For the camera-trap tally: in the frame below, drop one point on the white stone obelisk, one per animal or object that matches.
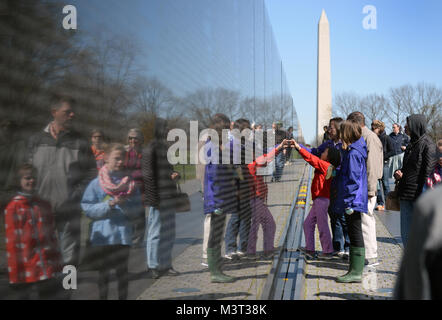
(324, 94)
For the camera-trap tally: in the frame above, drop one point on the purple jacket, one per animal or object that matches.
(219, 186)
(352, 181)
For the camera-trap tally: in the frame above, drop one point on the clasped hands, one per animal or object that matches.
(288, 143)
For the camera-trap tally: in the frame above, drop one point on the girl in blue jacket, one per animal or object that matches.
(352, 195)
(111, 200)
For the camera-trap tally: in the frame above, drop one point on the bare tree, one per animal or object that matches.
(429, 103)
(152, 97)
(202, 104)
(423, 99)
(346, 103)
(228, 101)
(401, 104)
(374, 107)
(35, 53)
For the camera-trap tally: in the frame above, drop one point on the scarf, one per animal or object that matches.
(125, 187)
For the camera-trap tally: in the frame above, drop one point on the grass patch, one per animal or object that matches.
(187, 171)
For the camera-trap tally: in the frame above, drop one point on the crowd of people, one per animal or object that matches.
(117, 186)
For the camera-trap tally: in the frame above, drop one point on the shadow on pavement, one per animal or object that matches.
(351, 296)
(211, 296)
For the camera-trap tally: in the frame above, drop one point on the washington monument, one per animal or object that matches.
(323, 95)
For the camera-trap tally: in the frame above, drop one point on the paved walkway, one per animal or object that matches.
(378, 282)
(194, 280)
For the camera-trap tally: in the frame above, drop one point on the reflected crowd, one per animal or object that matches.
(127, 194)
(85, 181)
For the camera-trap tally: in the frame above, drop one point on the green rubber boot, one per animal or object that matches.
(357, 261)
(214, 262)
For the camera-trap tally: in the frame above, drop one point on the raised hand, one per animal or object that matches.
(294, 144)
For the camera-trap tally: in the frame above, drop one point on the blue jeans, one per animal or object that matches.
(383, 186)
(160, 238)
(238, 223)
(279, 166)
(406, 215)
(341, 241)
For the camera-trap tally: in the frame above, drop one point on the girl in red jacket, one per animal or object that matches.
(32, 248)
(324, 166)
(260, 213)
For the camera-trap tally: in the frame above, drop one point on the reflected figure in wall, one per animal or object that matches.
(159, 200)
(65, 165)
(132, 163)
(280, 135)
(97, 147)
(219, 199)
(239, 222)
(112, 200)
(34, 259)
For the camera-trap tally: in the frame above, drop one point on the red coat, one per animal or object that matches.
(31, 241)
(259, 187)
(320, 184)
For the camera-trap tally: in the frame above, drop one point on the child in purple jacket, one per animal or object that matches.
(353, 195)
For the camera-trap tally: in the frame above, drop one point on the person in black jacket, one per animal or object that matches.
(378, 127)
(159, 193)
(280, 135)
(240, 220)
(419, 161)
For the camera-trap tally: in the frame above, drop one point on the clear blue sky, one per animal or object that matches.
(405, 48)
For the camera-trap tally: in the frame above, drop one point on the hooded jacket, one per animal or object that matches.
(419, 159)
(352, 180)
(220, 190)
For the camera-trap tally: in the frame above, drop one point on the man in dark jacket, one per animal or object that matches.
(400, 142)
(419, 161)
(280, 135)
(65, 165)
(378, 127)
(159, 201)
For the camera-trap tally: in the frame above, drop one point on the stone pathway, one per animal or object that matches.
(194, 281)
(378, 282)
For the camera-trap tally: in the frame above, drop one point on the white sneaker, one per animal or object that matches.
(204, 262)
(240, 254)
(340, 254)
(371, 262)
(230, 256)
